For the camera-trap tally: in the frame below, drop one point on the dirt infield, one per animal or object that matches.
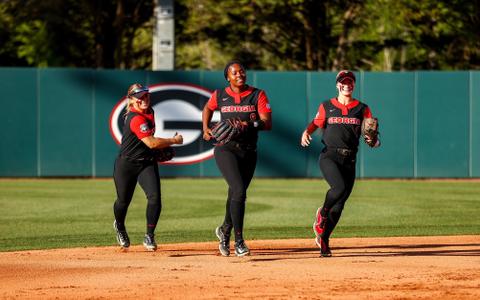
(373, 268)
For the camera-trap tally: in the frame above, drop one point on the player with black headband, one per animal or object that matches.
(236, 157)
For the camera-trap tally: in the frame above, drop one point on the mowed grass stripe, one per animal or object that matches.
(59, 213)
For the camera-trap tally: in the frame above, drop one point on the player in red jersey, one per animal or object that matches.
(340, 118)
(137, 162)
(237, 159)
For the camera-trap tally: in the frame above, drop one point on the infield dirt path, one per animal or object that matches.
(366, 268)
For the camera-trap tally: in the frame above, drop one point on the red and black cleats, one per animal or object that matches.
(324, 247)
(319, 223)
(319, 229)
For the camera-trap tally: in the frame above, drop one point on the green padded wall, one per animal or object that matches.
(57, 121)
(65, 122)
(391, 98)
(474, 125)
(18, 153)
(442, 119)
(279, 150)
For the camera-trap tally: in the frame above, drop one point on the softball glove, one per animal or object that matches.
(370, 131)
(226, 130)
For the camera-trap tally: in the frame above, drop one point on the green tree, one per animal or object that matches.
(271, 34)
(408, 35)
(329, 35)
(265, 34)
(86, 33)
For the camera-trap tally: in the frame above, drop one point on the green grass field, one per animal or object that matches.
(60, 213)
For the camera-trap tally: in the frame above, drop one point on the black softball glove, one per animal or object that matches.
(226, 130)
(164, 154)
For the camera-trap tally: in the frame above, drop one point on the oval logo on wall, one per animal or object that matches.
(178, 108)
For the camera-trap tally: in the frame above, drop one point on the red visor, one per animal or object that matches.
(345, 74)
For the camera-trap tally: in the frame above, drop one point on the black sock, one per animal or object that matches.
(120, 212)
(153, 214)
(227, 222)
(237, 210)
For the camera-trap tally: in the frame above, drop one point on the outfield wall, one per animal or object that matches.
(56, 121)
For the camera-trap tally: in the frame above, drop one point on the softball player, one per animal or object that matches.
(340, 119)
(237, 159)
(136, 162)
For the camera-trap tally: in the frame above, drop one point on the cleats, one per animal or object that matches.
(224, 245)
(324, 247)
(319, 223)
(122, 236)
(318, 229)
(124, 241)
(241, 249)
(149, 242)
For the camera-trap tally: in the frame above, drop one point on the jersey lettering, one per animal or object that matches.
(344, 120)
(238, 108)
(246, 106)
(341, 124)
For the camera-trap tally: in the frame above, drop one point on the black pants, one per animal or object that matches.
(237, 166)
(126, 173)
(339, 172)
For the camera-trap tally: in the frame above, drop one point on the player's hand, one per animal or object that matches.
(368, 140)
(306, 139)
(207, 134)
(178, 138)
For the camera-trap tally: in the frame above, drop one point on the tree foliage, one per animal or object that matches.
(265, 34)
(331, 34)
(76, 33)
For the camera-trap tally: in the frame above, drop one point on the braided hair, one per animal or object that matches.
(229, 64)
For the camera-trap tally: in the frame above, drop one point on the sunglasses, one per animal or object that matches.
(139, 93)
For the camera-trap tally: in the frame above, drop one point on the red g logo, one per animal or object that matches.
(178, 108)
